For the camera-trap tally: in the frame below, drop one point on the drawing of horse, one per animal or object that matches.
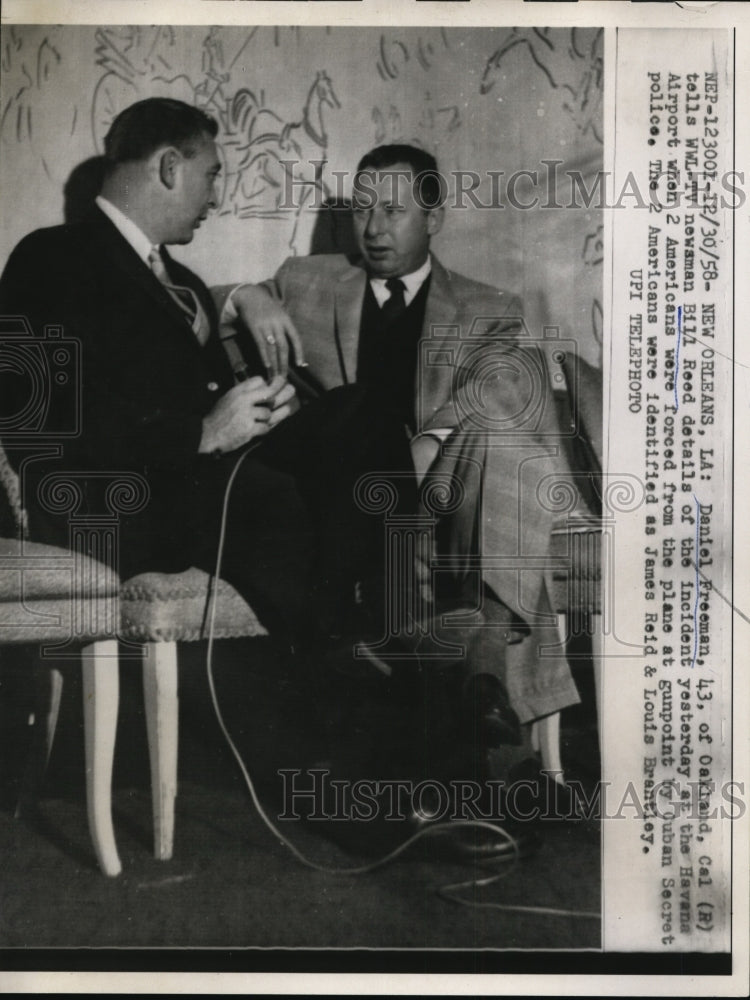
(262, 166)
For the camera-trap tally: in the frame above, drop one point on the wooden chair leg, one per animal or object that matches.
(48, 685)
(545, 733)
(160, 694)
(545, 738)
(597, 643)
(101, 692)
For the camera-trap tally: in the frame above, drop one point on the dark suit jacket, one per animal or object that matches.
(146, 381)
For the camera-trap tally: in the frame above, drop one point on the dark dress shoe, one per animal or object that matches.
(538, 793)
(488, 719)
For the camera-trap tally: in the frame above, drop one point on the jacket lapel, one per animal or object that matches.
(440, 311)
(348, 298)
(441, 306)
(130, 266)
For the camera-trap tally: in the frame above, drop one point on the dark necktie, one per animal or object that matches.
(185, 298)
(395, 305)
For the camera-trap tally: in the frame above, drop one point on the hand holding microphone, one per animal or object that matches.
(282, 397)
(248, 410)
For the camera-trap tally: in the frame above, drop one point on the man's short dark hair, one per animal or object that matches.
(430, 190)
(158, 121)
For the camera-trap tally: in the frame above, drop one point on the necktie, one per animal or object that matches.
(395, 305)
(185, 298)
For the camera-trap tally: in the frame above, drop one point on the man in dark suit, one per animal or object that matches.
(159, 396)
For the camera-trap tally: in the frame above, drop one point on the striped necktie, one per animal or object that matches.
(184, 297)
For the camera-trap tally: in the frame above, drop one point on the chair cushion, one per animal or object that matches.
(58, 620)
(32, 571)
(46, 596)
(174, 607)
(12, 516)
(38, 596)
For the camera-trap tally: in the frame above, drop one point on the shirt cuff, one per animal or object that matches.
(229, 310)
(441, 434)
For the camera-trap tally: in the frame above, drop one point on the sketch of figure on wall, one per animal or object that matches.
(142, 62)
(397, 48)
(268, 159)
(137, 60)
(29, 69)
(265, 156)
(434, 126)
(577, 69)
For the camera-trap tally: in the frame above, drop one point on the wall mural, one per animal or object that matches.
(260, 148)
(572, 65)
(435, 124)
(294, 103)
(395, 52)
(29, 69)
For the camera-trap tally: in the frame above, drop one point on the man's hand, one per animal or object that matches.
(271, 327)
(284, 400)
(248, 410)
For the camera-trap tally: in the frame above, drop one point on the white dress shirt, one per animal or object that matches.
(143, 247)
(127, 229)
(412, 283)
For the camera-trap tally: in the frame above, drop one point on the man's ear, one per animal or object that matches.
(168, 161)
(435, 217)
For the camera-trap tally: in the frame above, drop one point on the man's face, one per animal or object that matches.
(194, 192)
(393, 232)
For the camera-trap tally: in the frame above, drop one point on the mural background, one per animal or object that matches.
(499, 99)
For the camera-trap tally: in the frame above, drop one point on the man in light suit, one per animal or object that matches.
(447, 356)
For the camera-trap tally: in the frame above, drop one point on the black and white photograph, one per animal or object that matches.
(367, 495)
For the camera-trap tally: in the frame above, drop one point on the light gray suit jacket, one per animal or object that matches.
(480, 374)
(324, 295)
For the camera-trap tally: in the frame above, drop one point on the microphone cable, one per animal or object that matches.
(428, 830)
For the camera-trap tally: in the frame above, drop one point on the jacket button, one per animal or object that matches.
(213, 386)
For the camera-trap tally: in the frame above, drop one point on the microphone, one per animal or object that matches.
(228, 338)
(305, 383)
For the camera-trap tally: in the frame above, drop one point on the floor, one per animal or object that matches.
(232, 884)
